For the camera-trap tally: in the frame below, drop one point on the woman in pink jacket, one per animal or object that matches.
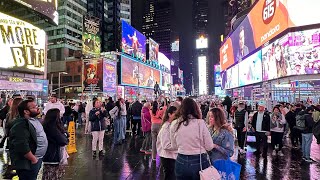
(146, 128)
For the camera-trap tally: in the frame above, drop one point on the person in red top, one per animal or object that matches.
(157, 113)
(146, 128)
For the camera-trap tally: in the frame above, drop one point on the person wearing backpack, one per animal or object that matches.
(300, 119)
(307, 135)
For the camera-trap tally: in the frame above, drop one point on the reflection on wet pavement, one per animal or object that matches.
(126, 162)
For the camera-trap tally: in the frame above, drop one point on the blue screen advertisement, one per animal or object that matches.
(133, 42)
(250, 70)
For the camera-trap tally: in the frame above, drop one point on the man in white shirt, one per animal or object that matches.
(261, 127)
(54, 104)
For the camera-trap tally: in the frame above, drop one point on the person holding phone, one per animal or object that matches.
(277, 130)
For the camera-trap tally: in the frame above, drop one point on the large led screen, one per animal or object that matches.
(133, 42)
(230, 77)
(217, 75)
(250, 70)
(153, 50)
(303, 52)
(91, 41)
(134, 73)
(22, 46)
(109, 77)
(46, 7)
(93, 75)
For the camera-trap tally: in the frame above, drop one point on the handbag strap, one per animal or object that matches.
(204, 148)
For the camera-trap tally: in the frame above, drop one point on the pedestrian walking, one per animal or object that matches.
(115, 114)
(57, 140)
(277, 131)
(191, 138)
(146, 128)
(241, 121)
(167, 154)
(135, 112)
(222, 135)
(123, 119)
(28, 141)
(98, 126)
(157, 113)
(307, 135)
(53, 104)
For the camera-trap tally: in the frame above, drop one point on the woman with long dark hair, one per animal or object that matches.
(156, 119)
(167, 155)
(222, 135)
(115, 114)
(190, 136)
(277, 130)
(280, 61)
(57, 138)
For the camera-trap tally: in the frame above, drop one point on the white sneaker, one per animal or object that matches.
(281, 153)
(274, 153)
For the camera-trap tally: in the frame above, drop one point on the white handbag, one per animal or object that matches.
(209, 173)
(63, 156)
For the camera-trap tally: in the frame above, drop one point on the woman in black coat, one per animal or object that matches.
(57, 139)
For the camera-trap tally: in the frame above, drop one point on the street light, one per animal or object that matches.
(59, 81)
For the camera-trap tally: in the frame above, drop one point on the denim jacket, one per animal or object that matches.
(224, 139)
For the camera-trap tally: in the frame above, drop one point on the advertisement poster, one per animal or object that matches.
(217, 75)
(250, 70)
(153, 50)
(230, 78)
(22, 84)
(47, 8)
(165, 81)
(133, 42)
(93, 76)
(91, 41)
(19, 53)
(134, 73)
(304, 49)
(109, 77)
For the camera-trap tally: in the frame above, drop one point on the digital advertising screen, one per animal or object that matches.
(109, 76)
(230, 78)
(217, 75)
(48, 8)
(250, 70)
(133, 42)
(303, 50)
(91, 41)
(93, 75)
(133, 71)
(202, 69)
(22, 46)
(302, 13)
(165, 81)
(153, 50)
(165, 63)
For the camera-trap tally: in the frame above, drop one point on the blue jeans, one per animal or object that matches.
(306, 144)
(123, 127)
(188, 166)
(30, 174)
(116, 128)
(80, 118)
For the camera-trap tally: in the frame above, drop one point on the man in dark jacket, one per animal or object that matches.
(261, 127)
(307, 135)
(135, 111)
(23, 142)
(109, 106)
(291, 120)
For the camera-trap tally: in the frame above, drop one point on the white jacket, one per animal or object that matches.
(164, 147)
(57, 105)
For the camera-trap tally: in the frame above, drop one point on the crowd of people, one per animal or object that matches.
(188, 135)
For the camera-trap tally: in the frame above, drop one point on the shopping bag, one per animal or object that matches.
(228, 169)
(63, 156)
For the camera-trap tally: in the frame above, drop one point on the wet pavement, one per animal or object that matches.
(126, 162)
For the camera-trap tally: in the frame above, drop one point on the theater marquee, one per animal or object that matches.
(22, 46)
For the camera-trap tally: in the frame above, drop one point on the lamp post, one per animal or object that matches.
(59, 81)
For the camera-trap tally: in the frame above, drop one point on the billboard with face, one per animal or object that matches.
(134, 73)
(91, 41)
(93, 75)
(153, 50)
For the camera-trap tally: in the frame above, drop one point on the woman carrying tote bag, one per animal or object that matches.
(185, 137)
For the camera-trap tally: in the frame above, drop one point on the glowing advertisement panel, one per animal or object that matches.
(250, 70)
(109, 76)
(22, 46)
(230, 78)
(93, 75)
(202, 43)
(217, 75)
(91, 41)
(153, 50)
(134, 73)
(202, 69)
(133, 42)
(48, 8)
(302, 13)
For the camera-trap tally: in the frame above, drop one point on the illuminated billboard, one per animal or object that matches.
(175, 46)
(22, 46)
(109, 77)
(134, 73)
(250, 70)
(230, 78)
(217, 75)
(153, 50)
(202, 43)
(133, 42)
(48, 8)
(202, 69)
(93, 75)
(91, 41)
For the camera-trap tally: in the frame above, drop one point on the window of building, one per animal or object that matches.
(66, 79)
(77, 78)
